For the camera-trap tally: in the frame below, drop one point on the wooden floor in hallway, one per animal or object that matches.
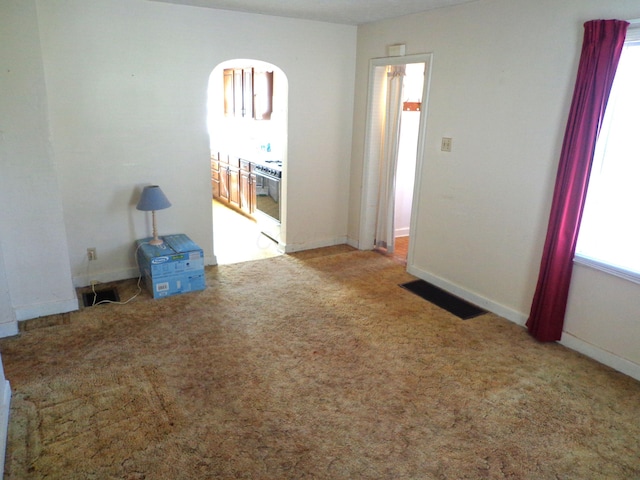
(401, 249)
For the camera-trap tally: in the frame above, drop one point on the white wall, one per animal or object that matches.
(35, 278)
(127, 85)
(5, 410)
(8, 322)
(603, 319)
(502, 79)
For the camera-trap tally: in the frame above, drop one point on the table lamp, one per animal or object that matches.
(153, 199)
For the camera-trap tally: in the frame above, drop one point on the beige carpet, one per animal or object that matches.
(309, 366)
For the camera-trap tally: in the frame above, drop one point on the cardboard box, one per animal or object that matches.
(176, 266)
(169, 285)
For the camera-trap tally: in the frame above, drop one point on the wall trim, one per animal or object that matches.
(480, 301)
(4, 421)
(290, 247)
(352, 242)
(606, 358)
(8, 329)
(5, 406)
(44, 309)
(84, 280)
(569, 341)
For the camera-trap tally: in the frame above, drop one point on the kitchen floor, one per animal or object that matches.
(237, 238)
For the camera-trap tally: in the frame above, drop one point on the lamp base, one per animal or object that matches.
(155, 241)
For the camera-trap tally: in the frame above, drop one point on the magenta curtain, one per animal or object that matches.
(601, 49)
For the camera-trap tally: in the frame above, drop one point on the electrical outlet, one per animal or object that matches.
(92, 254)
(445, 146)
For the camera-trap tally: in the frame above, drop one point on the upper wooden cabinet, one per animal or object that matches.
(248, 93)
(229, 98)
(262, 94)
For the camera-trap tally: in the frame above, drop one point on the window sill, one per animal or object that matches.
(609, 269)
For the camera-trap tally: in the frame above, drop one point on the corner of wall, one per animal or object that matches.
(9, 329)
(5, 404)
(44, 309)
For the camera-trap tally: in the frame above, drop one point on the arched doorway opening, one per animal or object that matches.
(247, 110)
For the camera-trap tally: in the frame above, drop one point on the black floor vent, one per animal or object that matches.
(443, 299)
(90, 299)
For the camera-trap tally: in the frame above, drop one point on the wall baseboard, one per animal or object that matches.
(606, 358)
(602, 356)
(352, 242)
(8, 329)
(44, 309)
(85, 280)
(105, 277)
(290, 248)
(5, 404)
(480, 301)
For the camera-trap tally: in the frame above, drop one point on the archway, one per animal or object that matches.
(247, 110)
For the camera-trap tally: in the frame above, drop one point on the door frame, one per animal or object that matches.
(369, 197)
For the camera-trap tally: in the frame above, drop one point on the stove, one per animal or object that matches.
(269, 168)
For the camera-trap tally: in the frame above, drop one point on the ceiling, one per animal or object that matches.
(350, 12)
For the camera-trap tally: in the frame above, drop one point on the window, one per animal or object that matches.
(609, 236)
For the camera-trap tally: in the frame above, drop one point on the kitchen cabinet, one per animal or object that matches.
(229, 179)
(247, 187)
(248, 93)
(229, 98)
(233, 182)
(262, 95)
(238, 92)
(223, 177)
(215, 175)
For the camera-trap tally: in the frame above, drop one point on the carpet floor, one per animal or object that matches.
(309, 366)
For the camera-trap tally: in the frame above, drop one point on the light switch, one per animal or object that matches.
(445, 146)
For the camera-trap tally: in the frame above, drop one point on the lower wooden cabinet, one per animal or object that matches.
(247, 191)
(233, 182)
(215, 177)
(221, 191)
(234, 186)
